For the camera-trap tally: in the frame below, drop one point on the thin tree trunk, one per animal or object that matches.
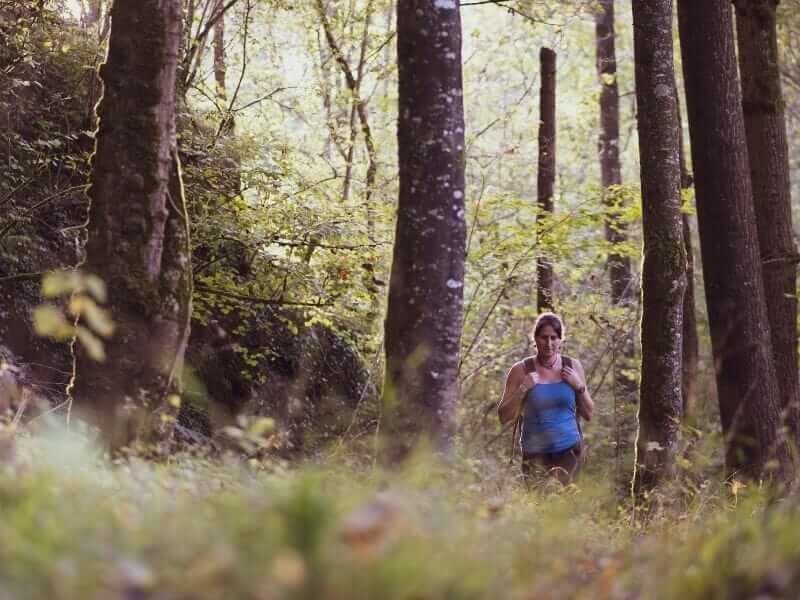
(423, 322)
(765, 124)
(139, 246)
(91, 15)
(737, 313)
(221, 74)
(691, 341)
(664, 266)
(547, 169)
(353, 84)
(619, 267)
(220, 64)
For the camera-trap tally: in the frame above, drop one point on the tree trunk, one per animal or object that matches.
(691, 341)
(737, 313)
(138, 228)
(664, 266)
(91, 15)
(220, 64)
(423, 322)
(619, 267)
(220, 77)
(547, 170)
(765, 124)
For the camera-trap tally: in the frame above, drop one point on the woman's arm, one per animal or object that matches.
(585, 402)
(577, 379)
(517, 385)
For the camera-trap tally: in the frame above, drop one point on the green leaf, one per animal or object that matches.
(93, 345)
(49, 321)
(59, 283)
(97, 318)
(96, 287)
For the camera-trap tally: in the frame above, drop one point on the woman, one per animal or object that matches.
(549, 392)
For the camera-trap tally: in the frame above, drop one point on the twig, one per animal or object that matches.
(257, 299)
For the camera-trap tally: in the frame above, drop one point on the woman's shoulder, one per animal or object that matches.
(523, 366)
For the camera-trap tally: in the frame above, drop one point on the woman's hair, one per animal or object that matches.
(548, 318)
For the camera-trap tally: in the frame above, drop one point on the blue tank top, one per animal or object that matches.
(548, 421)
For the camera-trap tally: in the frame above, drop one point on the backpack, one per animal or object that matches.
(530, 367)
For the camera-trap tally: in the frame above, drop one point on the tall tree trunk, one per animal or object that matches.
(138, 227)
(547, 170)
(228, 124)
(619, 267)
(664, 266)
(220, 64)
(737, 312)
(90, 15)
(423, 323)
(691, 341)
(765, 124)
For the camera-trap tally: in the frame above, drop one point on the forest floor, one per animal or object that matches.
(76, 526)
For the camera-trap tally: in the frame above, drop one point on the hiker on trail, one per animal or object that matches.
(547, 394)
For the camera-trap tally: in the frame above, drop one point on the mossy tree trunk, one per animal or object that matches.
(737, 313)
(664, 266)
(424, 318)
(546, 176)
(765, 124)
(138, 229)
(691, 341)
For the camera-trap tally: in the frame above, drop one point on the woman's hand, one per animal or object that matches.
(573, 378)
(576, 377)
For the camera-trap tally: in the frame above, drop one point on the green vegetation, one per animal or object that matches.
(75, 526)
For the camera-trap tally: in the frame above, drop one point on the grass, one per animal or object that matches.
(74, 526)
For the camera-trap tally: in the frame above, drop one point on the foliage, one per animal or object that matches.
(83, 295)
(462, 529)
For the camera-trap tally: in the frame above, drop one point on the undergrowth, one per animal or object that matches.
(75, 525)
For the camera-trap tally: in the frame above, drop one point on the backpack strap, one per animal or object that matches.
(530, 364)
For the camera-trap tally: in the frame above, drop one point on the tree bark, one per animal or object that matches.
(138, 227)
(765, 125)
(220, 64)
(619, 267)
(664, 266)
(547, 170)
(691, 341)
(424, 318)
(737, 313)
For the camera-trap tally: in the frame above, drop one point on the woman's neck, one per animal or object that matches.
(548, 364)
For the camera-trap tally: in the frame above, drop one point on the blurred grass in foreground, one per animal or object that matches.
(74, 526)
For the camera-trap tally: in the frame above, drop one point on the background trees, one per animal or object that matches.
(765, 127)
(294, 209)
(740, 333)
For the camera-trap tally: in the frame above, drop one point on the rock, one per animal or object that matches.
(309, 379)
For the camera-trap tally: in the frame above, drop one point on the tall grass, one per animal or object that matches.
(73, 525)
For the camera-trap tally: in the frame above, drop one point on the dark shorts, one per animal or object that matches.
(564, 466)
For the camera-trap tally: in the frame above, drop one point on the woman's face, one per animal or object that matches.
(547, 342)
